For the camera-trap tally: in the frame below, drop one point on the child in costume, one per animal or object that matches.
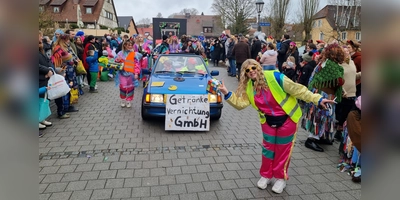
(274, 96)
(126, 76)
(142, 47)
(93, 69)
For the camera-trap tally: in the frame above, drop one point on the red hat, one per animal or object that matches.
(320, 41)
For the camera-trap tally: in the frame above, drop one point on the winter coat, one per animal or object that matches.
(93, 62)
(255, 48)
(269, 57)
(283, 50)
(306, 72)
(241, 51)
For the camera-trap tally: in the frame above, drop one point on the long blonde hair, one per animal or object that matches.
(259, 83)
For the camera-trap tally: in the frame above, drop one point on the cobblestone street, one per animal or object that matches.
(108, 152)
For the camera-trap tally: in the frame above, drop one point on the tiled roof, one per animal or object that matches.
(57, 2)
(89, 2)
(69, 11)
(43, 2)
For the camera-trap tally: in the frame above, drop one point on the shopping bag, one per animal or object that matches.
(227, 63)
(80, 69)
(44, 108)
(74, 96)
(58, 87)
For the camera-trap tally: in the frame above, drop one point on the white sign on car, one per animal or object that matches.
(187, 112)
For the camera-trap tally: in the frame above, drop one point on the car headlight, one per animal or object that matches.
(154, 98)
(214, 98)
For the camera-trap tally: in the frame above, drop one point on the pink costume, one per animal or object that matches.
(126, 85)
(277, 142)
(144, 49)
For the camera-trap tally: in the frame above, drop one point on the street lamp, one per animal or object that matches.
(259, 6)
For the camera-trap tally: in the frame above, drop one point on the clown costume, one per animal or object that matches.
(273, 95)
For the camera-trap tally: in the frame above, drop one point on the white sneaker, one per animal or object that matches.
(85, 84)
(41, 126)
(128, 104)
(123, 103)
(279, 185)
(263, 183)
(95, 87)
(46, 123)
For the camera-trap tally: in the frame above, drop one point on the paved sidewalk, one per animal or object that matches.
(108, 152)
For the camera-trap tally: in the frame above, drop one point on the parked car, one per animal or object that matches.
(177, 74)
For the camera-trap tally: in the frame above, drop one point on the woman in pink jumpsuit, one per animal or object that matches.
(142, 47)
(274, 96)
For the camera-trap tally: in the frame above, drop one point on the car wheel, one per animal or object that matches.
(216, 117)
(144, 116)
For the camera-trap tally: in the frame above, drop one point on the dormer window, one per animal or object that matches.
(56, 9)
(89, 10)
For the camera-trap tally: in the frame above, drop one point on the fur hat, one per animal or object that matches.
(105, 53)
(308, 56)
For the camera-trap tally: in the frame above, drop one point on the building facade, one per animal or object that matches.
(339, 23)
(209, 25)
(83, 13)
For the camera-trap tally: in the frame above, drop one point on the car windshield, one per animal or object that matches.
(180, 64)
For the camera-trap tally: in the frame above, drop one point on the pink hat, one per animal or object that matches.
(293, 43)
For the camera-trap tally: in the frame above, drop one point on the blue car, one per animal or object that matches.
(177, 74)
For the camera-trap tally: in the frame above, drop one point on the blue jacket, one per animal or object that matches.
(93, 62)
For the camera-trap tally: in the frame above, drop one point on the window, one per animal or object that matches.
(313, 24)
(358, 36)
(344, 35)
(321, 36)
(109, 15)
(56, 9)
(41, 8)
(89, 10)
(207, 30)
(356, 22)
(319, 23)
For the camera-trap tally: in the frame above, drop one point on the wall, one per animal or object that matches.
(132, 29)
(329, 33)
(105, 21)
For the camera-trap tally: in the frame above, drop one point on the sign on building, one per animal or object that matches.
(187, 112)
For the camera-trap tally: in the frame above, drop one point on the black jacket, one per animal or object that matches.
(230, 51)
(255, 48)
(282, 52)
(44, 68)
(306, 72)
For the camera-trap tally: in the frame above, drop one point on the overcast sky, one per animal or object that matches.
(140, 9)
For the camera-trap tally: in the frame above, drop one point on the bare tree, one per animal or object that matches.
(191, 11)
(347, 17)
(308, 9)
(278, 13)
(159, 15)
(235, 13)
(144, 21)
(46, 23)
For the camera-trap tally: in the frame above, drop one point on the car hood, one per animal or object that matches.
(190, 85)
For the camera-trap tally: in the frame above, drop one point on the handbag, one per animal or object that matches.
(44, 108)
(80, 69)
(58, 87)
(74, 96)
(227, 63)
(276, 121)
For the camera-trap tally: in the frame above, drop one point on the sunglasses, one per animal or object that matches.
(252, 68)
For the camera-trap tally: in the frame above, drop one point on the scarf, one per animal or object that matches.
(329, 76)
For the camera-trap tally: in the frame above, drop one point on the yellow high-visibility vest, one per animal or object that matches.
(286, 101)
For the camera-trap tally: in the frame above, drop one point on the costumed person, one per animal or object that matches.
(273, 95)
(143, 48)
(355, 52)
(327, 80)
(93, 63)
(128, 74)
(56, 35)
(174, 47)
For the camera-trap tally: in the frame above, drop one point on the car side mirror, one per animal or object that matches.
(146, 71)
(214, 73)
